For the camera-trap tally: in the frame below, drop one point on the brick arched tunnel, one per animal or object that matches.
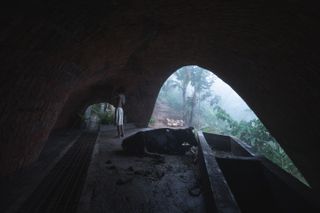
(57, 58)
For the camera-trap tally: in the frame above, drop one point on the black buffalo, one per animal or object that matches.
(162, 141)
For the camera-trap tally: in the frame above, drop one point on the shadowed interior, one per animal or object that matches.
(59, 57)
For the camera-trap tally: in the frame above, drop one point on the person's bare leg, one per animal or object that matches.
(118, 130)
(121, 129)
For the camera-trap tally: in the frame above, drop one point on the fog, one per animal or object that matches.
(231, 102)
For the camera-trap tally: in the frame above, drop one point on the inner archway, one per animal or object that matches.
(98, 114)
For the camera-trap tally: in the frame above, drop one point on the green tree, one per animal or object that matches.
(255, 134)
(201, 83)
(181, 80)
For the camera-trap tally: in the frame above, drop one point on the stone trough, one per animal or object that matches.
(237, 180)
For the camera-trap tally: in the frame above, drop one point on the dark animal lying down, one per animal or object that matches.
(162, 141)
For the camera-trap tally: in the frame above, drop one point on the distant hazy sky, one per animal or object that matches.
(231, 102)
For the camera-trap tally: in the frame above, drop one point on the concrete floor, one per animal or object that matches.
(116, 182)
(120, 183)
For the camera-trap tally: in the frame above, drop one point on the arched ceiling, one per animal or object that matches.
(57, 57)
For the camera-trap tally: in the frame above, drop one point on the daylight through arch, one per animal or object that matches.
(193, 96)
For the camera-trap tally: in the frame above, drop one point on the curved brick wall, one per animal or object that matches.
(57, 58)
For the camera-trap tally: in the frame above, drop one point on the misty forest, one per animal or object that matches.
(193, 96)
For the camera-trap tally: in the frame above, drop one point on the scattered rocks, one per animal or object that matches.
(124, 180)
(158, 160)
(153, 174)
(195, 191)
(142, 172)
(112, 167)
(159, 174)
(130, 168)
(174, 123)
(139, 172)
(108, 162)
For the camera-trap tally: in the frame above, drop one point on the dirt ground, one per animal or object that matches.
(117, 182)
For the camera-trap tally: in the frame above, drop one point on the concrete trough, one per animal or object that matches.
(237, 180)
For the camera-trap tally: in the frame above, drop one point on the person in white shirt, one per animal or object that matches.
(121, 99)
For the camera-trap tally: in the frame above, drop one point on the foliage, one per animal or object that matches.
(104, 114)
(152, 121)
(255, 134)
(106, 118)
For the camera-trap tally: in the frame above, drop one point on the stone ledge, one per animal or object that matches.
(218, 195)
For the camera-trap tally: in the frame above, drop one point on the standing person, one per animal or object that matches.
(121, 99)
